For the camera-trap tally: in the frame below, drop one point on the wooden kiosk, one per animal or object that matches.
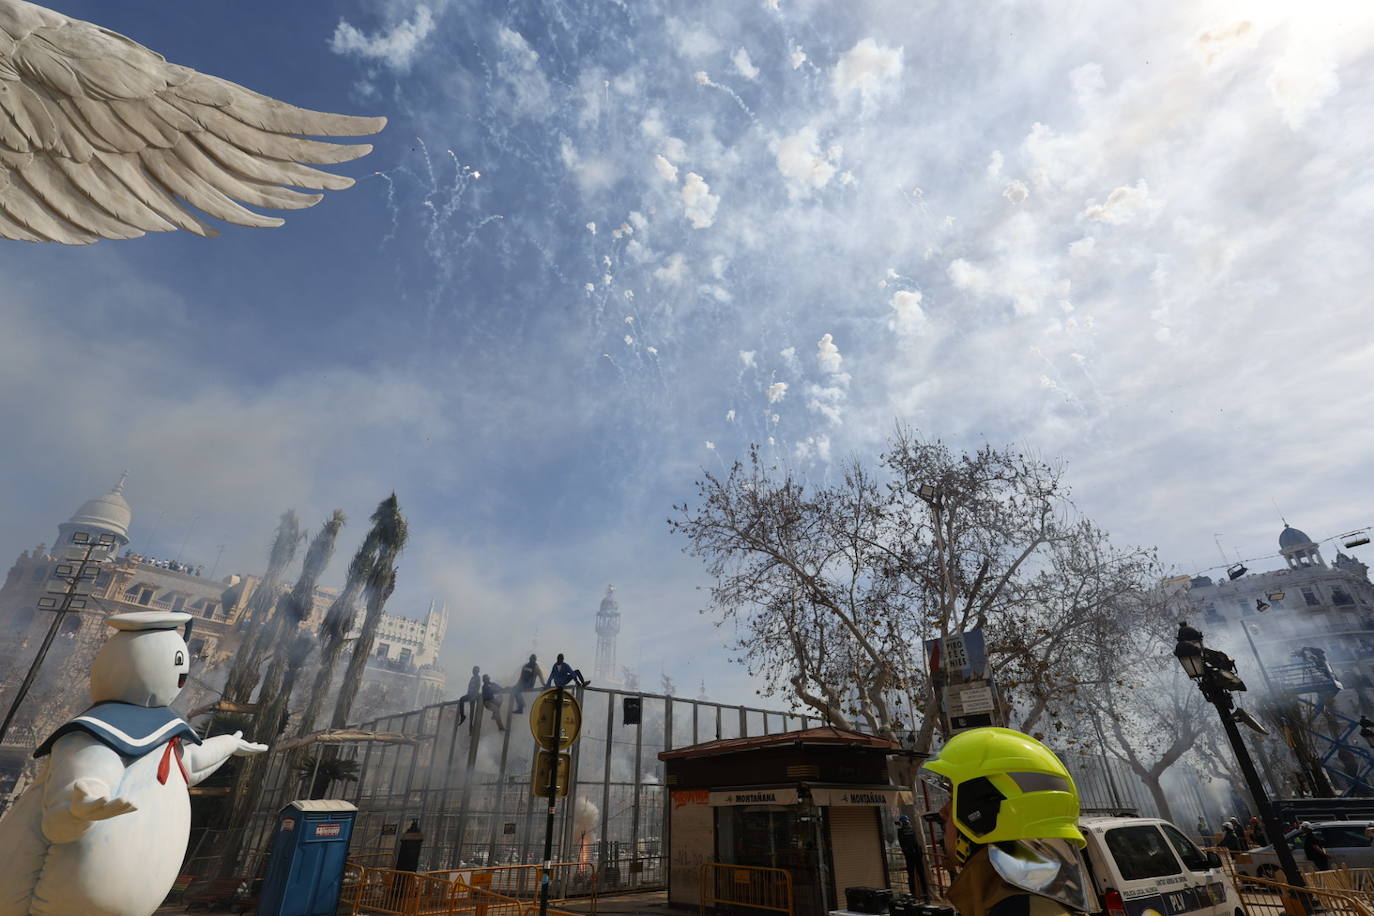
(811, 802)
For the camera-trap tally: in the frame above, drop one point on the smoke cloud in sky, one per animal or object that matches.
(601, 248)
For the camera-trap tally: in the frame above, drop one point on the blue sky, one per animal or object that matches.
(602, 246)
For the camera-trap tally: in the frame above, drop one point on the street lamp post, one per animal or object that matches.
(1215, 673)
(68, 590)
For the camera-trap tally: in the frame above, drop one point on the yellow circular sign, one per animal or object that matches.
(541, 719)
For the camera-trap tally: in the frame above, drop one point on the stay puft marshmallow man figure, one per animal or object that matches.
(103, 829)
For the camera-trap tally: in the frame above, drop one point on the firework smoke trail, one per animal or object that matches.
(704, 79)
(391, 206)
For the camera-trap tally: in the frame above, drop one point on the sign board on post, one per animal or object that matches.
(958, 666)
(539, 773)
(541, 719)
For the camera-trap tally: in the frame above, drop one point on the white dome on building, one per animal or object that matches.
(109, 513)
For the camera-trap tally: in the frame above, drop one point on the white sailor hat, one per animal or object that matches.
(148, 620)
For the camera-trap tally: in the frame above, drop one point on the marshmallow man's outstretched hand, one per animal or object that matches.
(203, 759)
(247, 748)
(91, 801)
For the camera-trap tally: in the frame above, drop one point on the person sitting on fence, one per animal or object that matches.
(530, 676)
(472, 696)
(564, 674)
(489, 690)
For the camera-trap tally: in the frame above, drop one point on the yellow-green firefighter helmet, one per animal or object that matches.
(1005, 785)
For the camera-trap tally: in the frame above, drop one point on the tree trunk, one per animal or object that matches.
(1161, 799)
(379, 590)
(256, 618)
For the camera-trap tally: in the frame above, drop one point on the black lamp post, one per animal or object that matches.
(1215, 673)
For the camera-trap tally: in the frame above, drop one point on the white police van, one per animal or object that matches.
(1144, 866)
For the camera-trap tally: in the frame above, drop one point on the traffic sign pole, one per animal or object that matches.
(552, 793)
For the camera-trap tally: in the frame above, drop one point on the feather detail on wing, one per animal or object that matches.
(102, 138)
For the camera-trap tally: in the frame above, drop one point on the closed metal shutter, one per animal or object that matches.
(856, 848)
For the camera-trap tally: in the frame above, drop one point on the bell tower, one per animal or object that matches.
(607, 628)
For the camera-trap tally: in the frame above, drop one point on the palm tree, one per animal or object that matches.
(390, 527)
(338, 623)
(278, 634)
(293, 610)
(243, 676)
(323, 773)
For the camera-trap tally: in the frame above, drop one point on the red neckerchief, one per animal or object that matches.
(164, 765)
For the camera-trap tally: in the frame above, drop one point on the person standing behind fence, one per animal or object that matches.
(472, 696)
(1231, 836)
(911, 852)
(1312, 847)
(530, 677)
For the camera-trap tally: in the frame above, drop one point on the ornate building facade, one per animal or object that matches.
(403, 673)
(1305, 604)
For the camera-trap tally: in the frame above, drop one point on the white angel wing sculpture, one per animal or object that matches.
(101, 138)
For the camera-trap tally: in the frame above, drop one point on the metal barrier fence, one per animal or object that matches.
(1356, 880)
(1262, 897)
(387, 892)
(746, 886)
(521, 882)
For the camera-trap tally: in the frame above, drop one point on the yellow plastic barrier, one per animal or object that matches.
(747, 886)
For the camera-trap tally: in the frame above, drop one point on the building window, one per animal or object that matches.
(40, 573)
(1340, 596)
(210, 608)
(1310, 597)
(383, 650)
(146, 598)
(178, 603)
(197, 648)
(1246, 609)
(405, 656)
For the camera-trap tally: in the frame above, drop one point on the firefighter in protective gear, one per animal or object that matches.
(1011, 826)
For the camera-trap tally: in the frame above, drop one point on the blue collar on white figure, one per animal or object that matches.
(129, 730)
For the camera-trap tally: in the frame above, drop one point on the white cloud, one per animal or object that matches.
(666, 170)
(698, 202)
(828, 355)
(395, 48)
(692, 40)
(747, 358)
(797, 58)
(799, 158)
(593, 174)
(995, 164)
(776, 392)
(1122, 206)
(1300, 83)
(1083, 248)
(817, 447)
(1216, 45)
(869, 69)
(531, 95)
(743, 65)
(1016, 191)
(908, 318)
(674, 271)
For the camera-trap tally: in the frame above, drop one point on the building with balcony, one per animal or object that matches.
(1304, 604)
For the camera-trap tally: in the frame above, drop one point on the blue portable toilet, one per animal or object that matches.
(306, 865)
